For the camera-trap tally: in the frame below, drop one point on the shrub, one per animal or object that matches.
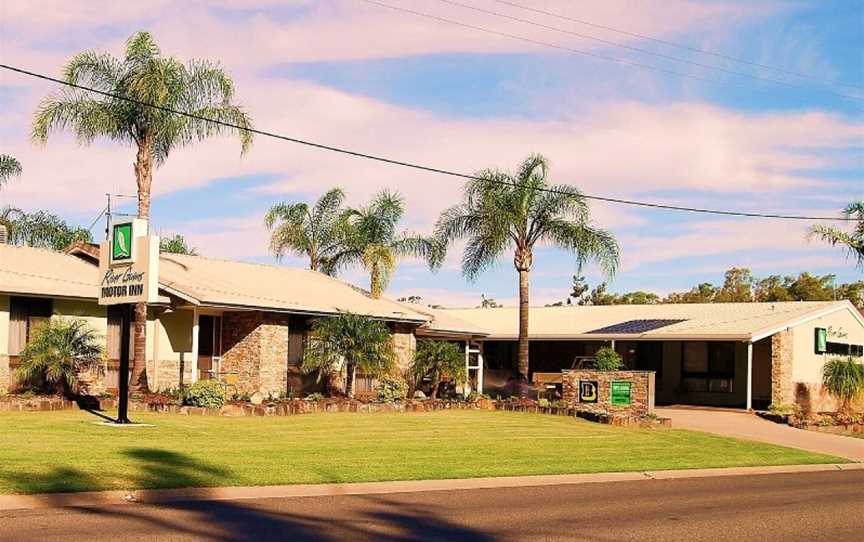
(607, 359)
(782, 409)
(315, 397)
(438, 361)
(844, 379)
(204, 393)
(543, 403)
(391, 389)
(58, 350)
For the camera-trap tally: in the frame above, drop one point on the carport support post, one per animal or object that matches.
(195, 329)
(749, 376)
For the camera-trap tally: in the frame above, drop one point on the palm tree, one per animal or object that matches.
(356, 341)
(317, 232)
(437, 361)
(852, 241)
(9, 167)
(503, 211)
(57, 352)
(176, 245)
(373, 241)
(201, 88)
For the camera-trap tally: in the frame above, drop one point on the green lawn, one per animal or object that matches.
(68, 451)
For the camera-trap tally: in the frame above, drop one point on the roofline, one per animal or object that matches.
(205, 304)
(624, 337)
(50, 296)
(834, 307)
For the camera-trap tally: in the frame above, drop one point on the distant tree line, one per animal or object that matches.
(739, 285)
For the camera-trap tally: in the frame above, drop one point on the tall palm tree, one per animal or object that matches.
(200, 87)
(9, 167)
(503, 211)
(852, 242)
(317, 231)
(375, 243)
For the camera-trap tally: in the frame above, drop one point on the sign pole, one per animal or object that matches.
(123, 403)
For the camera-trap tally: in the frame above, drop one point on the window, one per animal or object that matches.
(25, 315)
(843, 349)
(708, 366)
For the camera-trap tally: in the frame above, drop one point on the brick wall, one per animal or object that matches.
(255, 347)
(641, 391)
(782, 392)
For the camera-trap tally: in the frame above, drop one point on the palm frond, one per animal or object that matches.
(9, 167)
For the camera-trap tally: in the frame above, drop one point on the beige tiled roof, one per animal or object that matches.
(717, 320)
(445, 323)
(226, 283)
(36, 271)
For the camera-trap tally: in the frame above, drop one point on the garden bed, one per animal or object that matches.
(289, 407)
(823, 422)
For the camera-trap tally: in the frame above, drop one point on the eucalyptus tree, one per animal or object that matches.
(40, 229)
(317, 232)
(851, 241)
(9, 167)
(351, 342)
(142, 91)
(502, 211)
(374, 241)
(176, 244)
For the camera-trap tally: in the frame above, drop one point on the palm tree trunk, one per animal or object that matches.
(523, 328)
(436, 383)
(144, 179)
(375, 282)
(349, 380)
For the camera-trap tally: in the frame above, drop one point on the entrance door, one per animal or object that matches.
(207, 345)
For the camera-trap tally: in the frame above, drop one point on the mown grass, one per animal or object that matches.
(68, 451)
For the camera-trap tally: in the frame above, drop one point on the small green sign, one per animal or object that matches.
(121, 242)
(821, 340)
(621, 392)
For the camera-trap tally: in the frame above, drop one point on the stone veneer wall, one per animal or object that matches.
(256, 348)
(404, 345)
(5, 374)
(781, 368)
(641, 391)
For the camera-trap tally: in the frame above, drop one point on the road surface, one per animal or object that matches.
(787, 507)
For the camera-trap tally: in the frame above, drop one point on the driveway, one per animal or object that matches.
(752, 427)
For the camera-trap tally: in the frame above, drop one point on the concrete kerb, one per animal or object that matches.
(165, 496)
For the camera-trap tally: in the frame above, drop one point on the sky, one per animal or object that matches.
(757, 107)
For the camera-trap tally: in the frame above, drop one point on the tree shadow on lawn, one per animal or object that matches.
(333, 518)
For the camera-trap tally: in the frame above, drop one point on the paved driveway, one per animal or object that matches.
(752, 427)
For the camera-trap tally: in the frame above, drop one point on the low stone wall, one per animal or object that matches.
(36, 404)
(621, 393)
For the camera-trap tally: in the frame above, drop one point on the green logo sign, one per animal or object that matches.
(621, 392)
(821, 340)
(121, 242)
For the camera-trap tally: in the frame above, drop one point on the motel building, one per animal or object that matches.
(247, 325)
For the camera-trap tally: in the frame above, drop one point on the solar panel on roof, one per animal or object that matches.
(635, 326)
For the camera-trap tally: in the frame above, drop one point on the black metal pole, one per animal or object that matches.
(123, 403)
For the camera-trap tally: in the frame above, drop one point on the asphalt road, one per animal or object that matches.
(787, 507)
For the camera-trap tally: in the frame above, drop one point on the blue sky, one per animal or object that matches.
(347, 73)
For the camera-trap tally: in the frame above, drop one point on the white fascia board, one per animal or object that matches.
(843, 305)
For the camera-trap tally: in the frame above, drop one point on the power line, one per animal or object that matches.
(692, 49)
(395, 162)
(623, 45)
(592, 54)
